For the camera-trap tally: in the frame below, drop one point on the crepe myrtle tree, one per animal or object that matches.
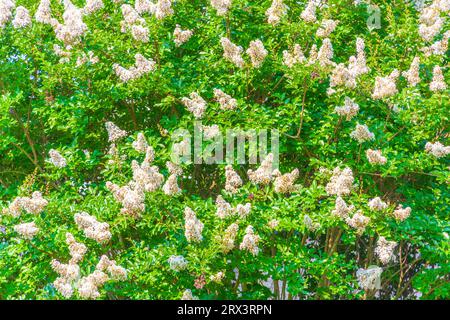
(352, 202)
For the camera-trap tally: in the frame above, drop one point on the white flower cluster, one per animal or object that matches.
(34, 205)
(250, 241)
(358, 222)
(93, 229)
(222, 6)
(57, 159)
(193, 227)
(181, 36)
(369, 279)
(132, 21)
(131, 197)
(218, 277)
(412, 75)
(285, 183)
(385, 250)
(401, 213)
(87, 58)
(309, 14)
(163, 8)
(257, 53)
(224, 209)
(341, 182)
(27, 230)
(325, 53)
(232, 52)
(177, 263)
(229, 236)
(437, 149)
(276, 11)
(140, 144)
(63, 54)
(341, 209)
(376, 204)
(265, 173)
(385, 86)
(171, 187)
(73, 27)
(22, 18)
(209, 132)
(92, 6)
(294, 57)
(439, 47)
(226, 101)
(273, 224)
(195, 104)
(348, 110)
(430, 20)
(232, 180)
(141, 67)
(310, 224)
(43, 13)
(362, 133)
(327, 26)
(114, 132)
(6, 11)
(375, 157)
(146, 176)
(187, 295)
(437, 83)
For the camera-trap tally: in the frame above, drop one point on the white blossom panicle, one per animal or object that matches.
(114, 132)
(325, 53)
(224, 209)
(232, 52)
(341, 77)
(174, 168)
(264, 174)
(27, 230)
(73, 27)
(162, 9)
(257, 53)
(64, 287)
(309, 14)
(401, 214)
(171, 187)
(140, 33)
(141, 67)
(92, 6)
(276, 11)
(437, 149)
(362, 133)
(385, 250)
(70, 271)
(341, 182)
(358, 222)
(110, 266)
(44, 12)
(222, 6)
(358, 66)
(376, 204)
(285, 183)
(88, 286)
(149, 156)
(181, 36)
(369, 279)
(187, 295)
(348, 110)
(310, 224)
(385, 86)
(146, 177)
(144, 6)
(64, 54)
(327, 26)
(341, 209)
(250, 241)
(229, 236)
(177, 263)
(210, 132)
(34, 205)
(93, 229)
(243, 210)
(77, 250)
(57, 159)
(412, 75)
(130, 16)
(295, 57)
(22, 18)
(429, 31)
(193, 226)
(226, 101)
(195, 104)
(232, 180)
(439, 47)
(131, 197)
(313, 54)
(6, 11)
(375, 157)
(140, 144)
(438, 82)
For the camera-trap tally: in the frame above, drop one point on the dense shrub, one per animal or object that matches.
(358, 209)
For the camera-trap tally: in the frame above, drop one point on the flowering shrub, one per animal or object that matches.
(94, 206)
